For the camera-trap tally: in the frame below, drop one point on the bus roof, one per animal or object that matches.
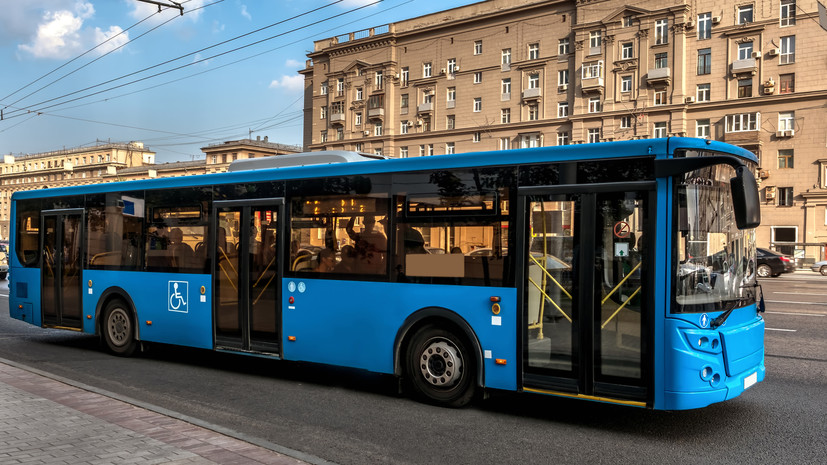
(326, 166)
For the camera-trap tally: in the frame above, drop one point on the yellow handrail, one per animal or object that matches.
(549, 299)
(620, 308)
(550, 276)
(620, 283)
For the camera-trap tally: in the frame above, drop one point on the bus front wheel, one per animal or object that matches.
(119, 329)
(440, 367)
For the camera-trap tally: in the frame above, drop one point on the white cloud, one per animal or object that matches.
(245, 13)
(294, 64)
(116, 41)
(60, 33)
(292, 83)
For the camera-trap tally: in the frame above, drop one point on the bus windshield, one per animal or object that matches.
(716, 260)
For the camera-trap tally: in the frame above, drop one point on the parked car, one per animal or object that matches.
(4, 261)
(820, 267)
(772, 263)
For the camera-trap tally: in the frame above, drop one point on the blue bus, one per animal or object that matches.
(620, 272)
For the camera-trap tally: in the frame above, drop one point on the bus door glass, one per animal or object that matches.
(584, 298)
(246, 282)
(60, 270)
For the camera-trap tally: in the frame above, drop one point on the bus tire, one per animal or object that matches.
(119, 328)
(440, 367)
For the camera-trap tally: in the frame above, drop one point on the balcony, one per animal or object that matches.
(425, 107)
(335, 117)
(743, 66)
(659, 76)
(376, 112)
(450, 104)
(594, 84)
(531, 93)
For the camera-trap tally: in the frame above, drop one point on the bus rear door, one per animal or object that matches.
(586, 305)
(246, 256)
(60, 270)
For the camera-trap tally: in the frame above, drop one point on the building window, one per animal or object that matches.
(742, 122)
(744, 14)
(427, 70)
(403, 127)
(660, 129)
(593, 69)
(660, 97)
(357, 119)
(787, 50)
(702, 127)
(594, 135)
(477, 47)
(702, 93)
(340, 87)
(377, 129)
(594, 104)
(360, 95)
(505, 143)
(563, 47)
(322, 139)
(505, 115)
(625, 122)
(506, 56)
(786, 83)
(563, 77)
(626, 83)
(595, 41)
(422, 150)
(451, 122)
(403, 152)
(661, 60)
(786, 121)
(477, 104)
(478, 77)
(562, 138)
(628, 21)
(340, 133)
(377, 80)
(785, 158)
(506, 88)
(427, 97)
(785, 196)
(534, 81)
(661, 31)
(451, 94)
(452, 66)
(528, 141)
(704, 26)
(745, 50)
(744, 88)
(405, 76)
(476, 137)
(704, 61)
(533, 112)
(323, 112)
(323, 89)
(403, 101)
(787, 13)
(449, 148)
(562, 109)
(627, 50)
(533, 51)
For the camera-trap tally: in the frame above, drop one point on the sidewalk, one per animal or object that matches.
(46, 421)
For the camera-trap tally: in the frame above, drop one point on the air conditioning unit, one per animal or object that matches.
(410, 124)
(763, 174)
(716, 19)
(690, 23)
(785, 133)
(690, 99)
(773, 52)
(770, 192)
(456, 69)
(563, 87)
(756, 54)
(367, 133)
(419, 122)
(442, 71)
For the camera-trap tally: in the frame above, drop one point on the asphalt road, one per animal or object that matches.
(352, 417)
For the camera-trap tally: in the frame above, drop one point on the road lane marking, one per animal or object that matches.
(780, 329)
(791, 302)
(798, 293)
(799, 314)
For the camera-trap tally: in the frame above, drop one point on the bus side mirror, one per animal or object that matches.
(745, 199)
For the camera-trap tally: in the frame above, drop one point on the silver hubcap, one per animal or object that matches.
(763, 271)
(441, 364)
(118, 327)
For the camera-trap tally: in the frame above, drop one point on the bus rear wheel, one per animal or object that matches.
(119, 329)
(440, 367)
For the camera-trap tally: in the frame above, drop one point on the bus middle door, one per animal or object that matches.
(61, 267)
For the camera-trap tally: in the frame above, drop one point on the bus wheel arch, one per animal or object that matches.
(435, 341)
(117, 322)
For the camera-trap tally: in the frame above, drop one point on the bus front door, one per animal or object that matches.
(585, 292)
(60, 270)
(246, 257)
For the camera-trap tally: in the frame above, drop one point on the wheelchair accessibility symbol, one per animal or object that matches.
(178, 292)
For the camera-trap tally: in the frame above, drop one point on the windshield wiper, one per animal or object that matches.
(721, 319)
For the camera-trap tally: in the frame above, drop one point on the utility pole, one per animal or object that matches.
(171, 4)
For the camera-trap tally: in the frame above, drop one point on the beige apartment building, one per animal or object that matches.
(110, 162)
(504, 74)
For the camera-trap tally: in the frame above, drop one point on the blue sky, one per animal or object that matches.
(55, 93)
